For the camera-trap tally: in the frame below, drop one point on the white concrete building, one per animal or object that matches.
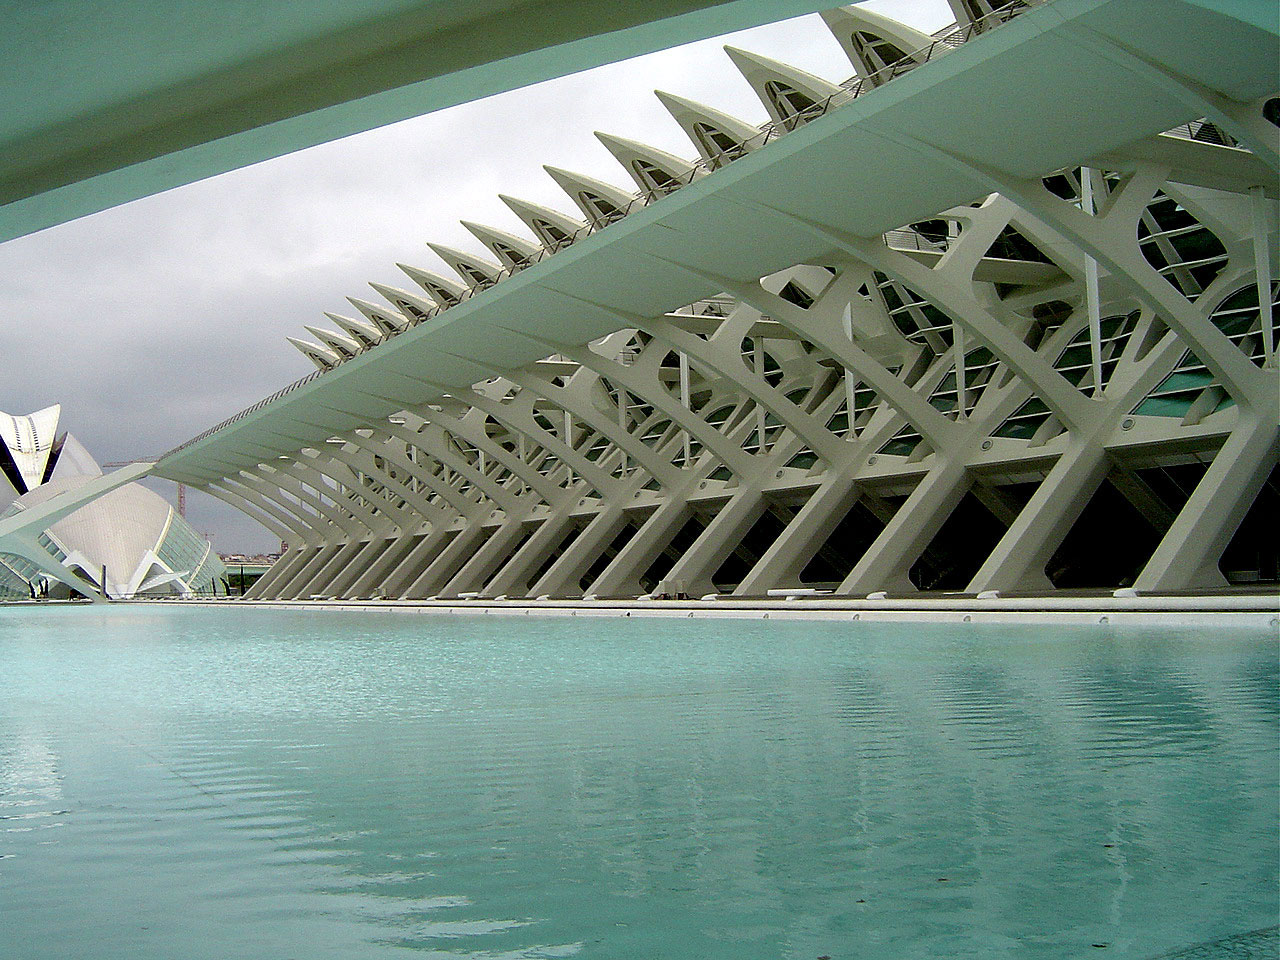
(997, 313)
(128, 542)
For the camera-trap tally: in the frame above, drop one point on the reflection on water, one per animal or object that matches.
(266, 784)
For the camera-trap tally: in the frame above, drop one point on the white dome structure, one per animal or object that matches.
(128, 542)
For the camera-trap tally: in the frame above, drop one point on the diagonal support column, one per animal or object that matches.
(280, 570)
(510, 577)
(415, 563)
(1187, 557)
(887, 562)
(302, 584)
(574, 563)
(622, 575)
(449, 560)
(345, 558)
(720, 538)
(1019, 559)
(786, 557)
(476, 571)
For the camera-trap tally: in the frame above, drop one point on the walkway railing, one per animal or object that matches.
(944, 42)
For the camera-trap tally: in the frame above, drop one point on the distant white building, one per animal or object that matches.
(130, 541)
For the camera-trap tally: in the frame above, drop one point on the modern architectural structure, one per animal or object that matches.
(126, 542)
(996, 314)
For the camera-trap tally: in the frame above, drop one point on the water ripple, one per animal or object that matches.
(367, 785)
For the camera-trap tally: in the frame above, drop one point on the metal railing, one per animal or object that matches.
(245, 412)
(945, 41)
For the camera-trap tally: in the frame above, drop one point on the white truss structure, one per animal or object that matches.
(990, 323)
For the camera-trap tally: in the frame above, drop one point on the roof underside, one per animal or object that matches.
(1034, 96)
(105, 102)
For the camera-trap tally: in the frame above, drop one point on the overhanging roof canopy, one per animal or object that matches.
(1043, 92)
(106, 102)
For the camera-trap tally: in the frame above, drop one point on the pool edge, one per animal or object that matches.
(1254, 612)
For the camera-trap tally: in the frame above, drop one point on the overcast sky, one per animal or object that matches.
(154, 320)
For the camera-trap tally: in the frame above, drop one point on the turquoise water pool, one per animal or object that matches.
(240, 783)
